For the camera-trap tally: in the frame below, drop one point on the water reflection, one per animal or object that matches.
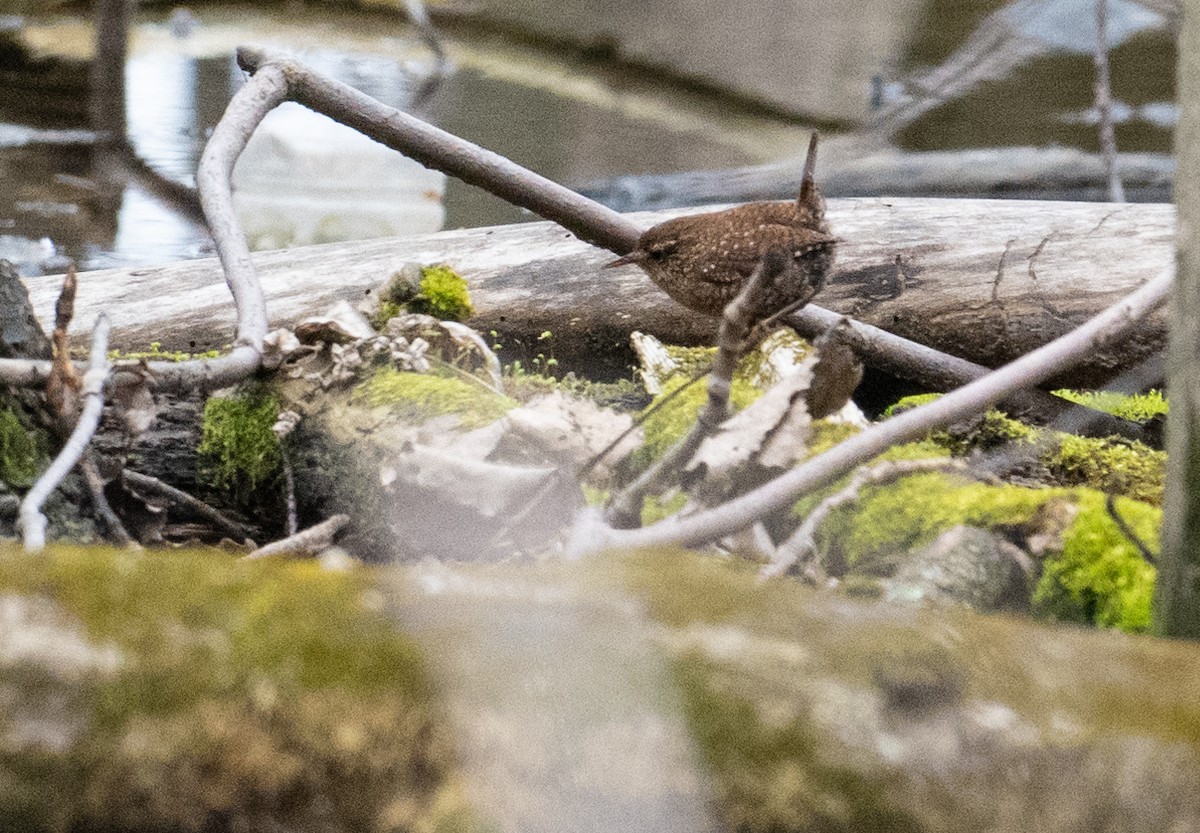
(175, 99)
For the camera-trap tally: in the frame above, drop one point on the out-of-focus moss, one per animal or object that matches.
(186, 692)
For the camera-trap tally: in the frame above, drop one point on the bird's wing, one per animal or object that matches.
(802, 242)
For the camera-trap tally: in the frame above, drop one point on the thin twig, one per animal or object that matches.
(31, 520)
(95, 484)
(1103, 96)
(309, 542)
(1110, 505)
(146, 483)
(289, 485)
(1109, 326)
(624, 510)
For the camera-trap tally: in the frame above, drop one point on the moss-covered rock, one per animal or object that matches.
(1093, 575)
(888, 521)
(1101, 578)
(821, 714)
(417, 397)
(184, 692)
(1121, 467)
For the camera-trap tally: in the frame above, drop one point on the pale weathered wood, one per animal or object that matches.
(987, 280)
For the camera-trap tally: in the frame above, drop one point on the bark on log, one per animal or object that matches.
(982, 279)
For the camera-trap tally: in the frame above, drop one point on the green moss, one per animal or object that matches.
(418, 397)
(239, 454)
(667, 425)
(656, 508)
(443, 294)
(768, 776)
(909, 402)
(156, 353)
(892, 519)
(1137, 408)
(265, 694)
(1101, 578)
(1121, 467)
(387, 311)
(22, 450)
(994, 429)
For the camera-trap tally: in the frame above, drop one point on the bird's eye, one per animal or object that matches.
(660, 252)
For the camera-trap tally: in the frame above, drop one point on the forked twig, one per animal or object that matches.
(31, 519)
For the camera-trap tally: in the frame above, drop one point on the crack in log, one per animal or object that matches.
(1043, 302)
(997, 301)
(1105, 219)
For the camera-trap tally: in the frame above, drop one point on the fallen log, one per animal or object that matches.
(985, 280)
(661, 693)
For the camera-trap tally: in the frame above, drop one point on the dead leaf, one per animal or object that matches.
(574, 430)
(771, 433)
(340, 324)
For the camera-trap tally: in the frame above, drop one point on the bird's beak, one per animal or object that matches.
(636, 256)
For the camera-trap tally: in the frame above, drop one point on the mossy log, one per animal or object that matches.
(183, 691)
(985, 280)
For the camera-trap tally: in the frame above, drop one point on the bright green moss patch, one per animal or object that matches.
(418, 397)
(443, 294)
(907, 403)
(22, 450)
(188, 688)
(1121, 467)
(896, 517)
(239, 453)
(1101, 578)
(1137, 408)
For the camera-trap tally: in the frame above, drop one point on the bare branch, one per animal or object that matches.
(146, 483)
(1109, 326)
(446, 152)
(308, 542)
(624, 510)
(32, 521)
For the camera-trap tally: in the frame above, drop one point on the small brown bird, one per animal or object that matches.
(703, 260)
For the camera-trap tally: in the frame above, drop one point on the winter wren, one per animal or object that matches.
(703, 260)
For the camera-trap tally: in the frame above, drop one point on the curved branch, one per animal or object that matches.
(448, 153)
(1109, 326)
